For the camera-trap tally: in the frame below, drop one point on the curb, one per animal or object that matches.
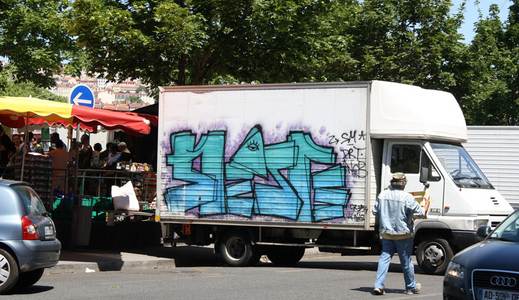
(111, 266)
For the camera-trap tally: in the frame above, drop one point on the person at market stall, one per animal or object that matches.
(35, 146)
(85, 152)
(95, 163)
(126, 155)
(7, 149)
(60, 158)
(114, 156)
(104, 154)
(72, 153)
(54, 138)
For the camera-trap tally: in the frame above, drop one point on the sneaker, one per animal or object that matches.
(416, 290)
(378, 291)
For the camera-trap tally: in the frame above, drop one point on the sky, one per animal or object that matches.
(471, 14)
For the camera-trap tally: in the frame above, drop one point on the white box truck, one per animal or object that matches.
(274, 169)
(496, 151)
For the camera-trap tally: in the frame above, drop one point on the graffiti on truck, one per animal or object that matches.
(351, 145)
(295, 179)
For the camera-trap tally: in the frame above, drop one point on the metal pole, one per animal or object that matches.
(24, 146)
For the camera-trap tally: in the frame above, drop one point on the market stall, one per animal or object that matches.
(85, 192)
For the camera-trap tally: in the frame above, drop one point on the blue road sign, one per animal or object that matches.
(82, 95)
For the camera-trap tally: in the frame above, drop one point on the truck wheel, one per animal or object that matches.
(28, 279)
(285, 256)
(236, 249)
(8, 272)
(434, 255)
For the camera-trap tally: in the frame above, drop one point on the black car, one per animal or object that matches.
(489, 269)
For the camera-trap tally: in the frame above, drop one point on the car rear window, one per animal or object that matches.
(31, 200)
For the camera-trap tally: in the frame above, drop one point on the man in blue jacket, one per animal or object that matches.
(395, 211)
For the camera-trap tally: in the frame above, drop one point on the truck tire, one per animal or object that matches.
(433, 255)
(285, 255)
(9, 272)
(235, 249)
(28, 279)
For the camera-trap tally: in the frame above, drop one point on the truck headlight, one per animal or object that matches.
(480, 222)
(455, 270)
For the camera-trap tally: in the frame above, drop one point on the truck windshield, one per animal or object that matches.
(460, 166)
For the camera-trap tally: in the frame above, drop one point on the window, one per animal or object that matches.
(405, 159)
(31, 200)
(433, 175)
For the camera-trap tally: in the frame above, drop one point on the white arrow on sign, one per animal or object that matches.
(78, 101)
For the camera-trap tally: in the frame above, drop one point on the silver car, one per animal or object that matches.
(28, 241)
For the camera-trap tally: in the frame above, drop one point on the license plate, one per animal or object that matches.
(49, 231)
(498, 295)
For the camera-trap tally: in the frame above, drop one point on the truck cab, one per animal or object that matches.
(421, 133)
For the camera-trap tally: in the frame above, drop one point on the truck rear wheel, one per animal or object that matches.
(285, 256)
(236, 249)
(433, 255)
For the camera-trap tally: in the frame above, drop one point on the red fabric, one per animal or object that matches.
(91, 117)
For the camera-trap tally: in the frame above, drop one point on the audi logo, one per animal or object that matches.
(503, 281)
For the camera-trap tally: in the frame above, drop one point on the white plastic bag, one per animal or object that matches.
(124, 197)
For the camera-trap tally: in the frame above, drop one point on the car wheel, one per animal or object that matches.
(285, 255)
(8, 271)
(27, 279)
(236, 249)
(434, 255)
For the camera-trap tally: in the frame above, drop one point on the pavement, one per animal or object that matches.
(99, 261)
(163, 258)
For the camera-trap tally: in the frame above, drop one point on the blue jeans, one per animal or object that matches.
(404, 248)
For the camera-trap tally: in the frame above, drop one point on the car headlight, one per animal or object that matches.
(455, 270)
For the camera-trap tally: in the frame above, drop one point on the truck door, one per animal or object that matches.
(410, 158)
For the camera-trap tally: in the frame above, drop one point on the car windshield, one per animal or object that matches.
(31, 201)
(461, 167)
(508, 230)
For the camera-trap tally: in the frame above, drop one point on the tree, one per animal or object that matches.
(487, 95)
(34, 39)
(199, 41)
(8, 87)
(414, 42)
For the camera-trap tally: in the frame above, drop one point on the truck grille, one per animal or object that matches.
(495, 280)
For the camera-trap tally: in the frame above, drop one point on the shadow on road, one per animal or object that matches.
(35, 289)
(192, 256)
(387, 291)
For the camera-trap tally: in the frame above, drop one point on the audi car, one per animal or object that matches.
(489, 269)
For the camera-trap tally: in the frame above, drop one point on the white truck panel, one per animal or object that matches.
(264, 155)
(496, 151)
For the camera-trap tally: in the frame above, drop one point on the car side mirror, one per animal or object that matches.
(424, 174)
(483, 231)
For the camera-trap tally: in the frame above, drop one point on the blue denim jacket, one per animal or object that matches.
(395, 210)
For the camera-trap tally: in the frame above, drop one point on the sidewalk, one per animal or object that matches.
(99, 261)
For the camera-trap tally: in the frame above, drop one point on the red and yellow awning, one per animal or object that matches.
(15, 111)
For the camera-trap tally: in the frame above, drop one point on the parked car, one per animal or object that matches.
(28, 241)
(489, 269)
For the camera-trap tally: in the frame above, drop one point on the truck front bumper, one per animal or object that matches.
(461, 239)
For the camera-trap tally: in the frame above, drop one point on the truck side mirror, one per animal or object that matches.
(424, 174)
(483, 231)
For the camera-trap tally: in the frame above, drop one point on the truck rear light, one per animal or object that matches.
(29, 231)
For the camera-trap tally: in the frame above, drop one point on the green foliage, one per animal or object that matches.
(33, 37)
(135, 99)
(8, 87)
(165, 42)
